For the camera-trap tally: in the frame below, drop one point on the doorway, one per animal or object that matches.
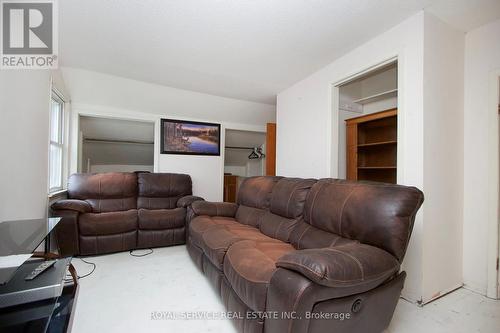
(116, 145)
(498, 220)
(244, 156)
(493, 276)
(367, 125)
(494, 273)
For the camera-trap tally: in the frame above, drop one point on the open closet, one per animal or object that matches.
(244, 156)
(368, 126)
(115, 145)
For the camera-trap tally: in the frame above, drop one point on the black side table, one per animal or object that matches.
(46, 303)
(51, 315)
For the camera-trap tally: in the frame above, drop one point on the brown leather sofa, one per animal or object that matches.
(111, 212)
(305, 255)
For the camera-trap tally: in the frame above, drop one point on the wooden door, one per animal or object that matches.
(230, 184)
(352, 151)
(271, 149)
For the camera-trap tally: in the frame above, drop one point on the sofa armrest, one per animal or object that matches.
(352, 265)
(71, 204)
(227, 209)
(187, 200)
(292, 292)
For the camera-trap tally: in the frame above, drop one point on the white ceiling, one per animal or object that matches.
(466, 15)
(246, 49)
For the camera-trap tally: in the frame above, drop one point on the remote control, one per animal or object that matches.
(40, 269)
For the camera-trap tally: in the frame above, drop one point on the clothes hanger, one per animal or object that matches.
(253, 155)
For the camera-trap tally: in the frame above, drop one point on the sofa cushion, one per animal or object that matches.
(287, 203)
(277, 227)
(162, 190)
(112, 205)
(163, 237)
(161, 218)
(377, 214)
(249, 266)
(250, 215)
(254, 197)
(163, 185)
(157, 203)
(201, 224)
(305, 236)
(112, 185)
(216, 240)
(105, 192)
(90, 245)
(289, 196)
(256, 191)
(91, 224)
(351, 265)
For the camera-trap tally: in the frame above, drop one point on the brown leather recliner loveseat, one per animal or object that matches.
(305, 255)
(111, 212)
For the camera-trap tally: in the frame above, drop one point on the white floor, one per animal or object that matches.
(129, 294)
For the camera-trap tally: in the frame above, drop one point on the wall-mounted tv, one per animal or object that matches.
(189, 137)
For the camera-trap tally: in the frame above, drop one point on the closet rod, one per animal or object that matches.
(119, 141)
(246, 148)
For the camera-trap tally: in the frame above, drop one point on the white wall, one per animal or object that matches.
(423, 46)
(119, 168)
(443, 157)
(482, 60)
(24, 129)
(305, 117)
(106, 95)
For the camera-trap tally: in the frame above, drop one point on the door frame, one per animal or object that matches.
(493, 290)
(270, 167)
(243, 128)
(79, 110)
(335, 107)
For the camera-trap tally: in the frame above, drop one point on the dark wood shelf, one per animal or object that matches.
(377, 167)
(376, 144)
(372, 147)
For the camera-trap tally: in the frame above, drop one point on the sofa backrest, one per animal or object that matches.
(377, 214)
(162, 190)
(286, 207)
(105, 192)
(254, 197)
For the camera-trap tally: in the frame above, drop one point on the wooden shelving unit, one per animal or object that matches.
(376, 144)
(230, 188)
(372, 147)
(377, 167)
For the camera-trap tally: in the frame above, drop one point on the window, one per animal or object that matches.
(56, 150)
